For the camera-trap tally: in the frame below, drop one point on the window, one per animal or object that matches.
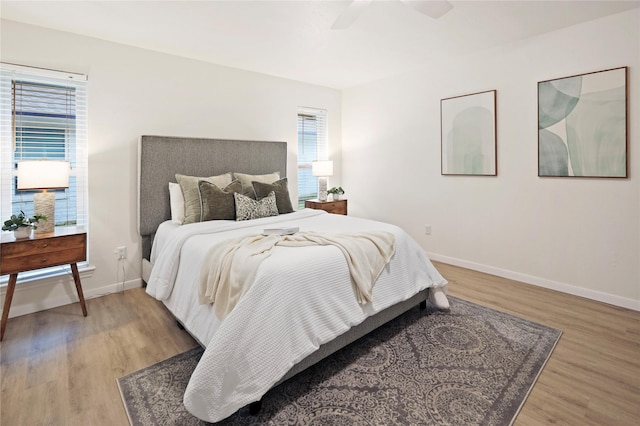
(312, 145)
(43, 114)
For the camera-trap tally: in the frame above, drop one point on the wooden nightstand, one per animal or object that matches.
(64, 245)
(335, 207)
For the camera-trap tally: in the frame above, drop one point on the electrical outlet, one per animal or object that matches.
(427, 229)
(121, 252)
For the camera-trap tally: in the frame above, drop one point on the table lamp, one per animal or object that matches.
(322, 169)
(43, 174)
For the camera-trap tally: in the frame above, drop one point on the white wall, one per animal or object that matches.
(578, 235)
(581, 236)
(134, 92)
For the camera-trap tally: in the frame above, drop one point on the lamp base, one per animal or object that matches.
(44, 203)
(322, 188)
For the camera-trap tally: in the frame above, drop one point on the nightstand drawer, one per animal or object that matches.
(335, 207)
(45, 245)
(42, 260)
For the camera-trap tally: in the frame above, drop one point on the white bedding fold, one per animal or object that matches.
(167, 259)
(230, 266)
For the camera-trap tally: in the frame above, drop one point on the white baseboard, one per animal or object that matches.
(64, 299)
(541, 282)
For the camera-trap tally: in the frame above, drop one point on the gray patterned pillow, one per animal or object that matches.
(248, 208)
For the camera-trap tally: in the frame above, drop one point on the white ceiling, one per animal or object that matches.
(293, 39)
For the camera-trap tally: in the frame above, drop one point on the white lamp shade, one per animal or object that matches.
(322, 168)
(43, 174)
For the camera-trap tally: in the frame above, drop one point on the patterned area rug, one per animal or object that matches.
(472, 365)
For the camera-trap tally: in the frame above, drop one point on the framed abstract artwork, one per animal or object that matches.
(582, 125)
(468, 134)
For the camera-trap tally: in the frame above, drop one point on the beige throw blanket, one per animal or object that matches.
(230, 267)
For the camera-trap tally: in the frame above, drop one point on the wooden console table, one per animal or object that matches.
(65, 245)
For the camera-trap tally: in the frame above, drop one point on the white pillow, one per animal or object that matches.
(176, 199)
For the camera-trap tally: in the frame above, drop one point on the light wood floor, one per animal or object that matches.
(60, 368)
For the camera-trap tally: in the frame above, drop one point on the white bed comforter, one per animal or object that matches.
(288, 312)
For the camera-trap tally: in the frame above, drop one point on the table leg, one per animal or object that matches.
(76, 279)
(7, 303)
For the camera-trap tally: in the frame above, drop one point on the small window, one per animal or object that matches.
(312, 145)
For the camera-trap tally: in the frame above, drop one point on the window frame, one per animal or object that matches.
(75, 149)
(304, 159)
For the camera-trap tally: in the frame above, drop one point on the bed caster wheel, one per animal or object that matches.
(255, 407)
(423, 305)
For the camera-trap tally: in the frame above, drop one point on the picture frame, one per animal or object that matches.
(468, 134)
(582, 125)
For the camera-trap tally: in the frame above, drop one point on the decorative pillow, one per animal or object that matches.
(189, 186)
(281, 189)
(176, 200)
(247, 187)
(248, 208)
(216, 203)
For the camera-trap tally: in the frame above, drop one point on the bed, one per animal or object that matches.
(301, 306)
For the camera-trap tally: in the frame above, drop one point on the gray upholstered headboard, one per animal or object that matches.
(161, 157)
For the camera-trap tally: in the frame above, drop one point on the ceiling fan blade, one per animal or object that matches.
(431, 8)
(350, 14)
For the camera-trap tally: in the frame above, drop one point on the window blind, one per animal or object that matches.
(43, 114)
(312, 145)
